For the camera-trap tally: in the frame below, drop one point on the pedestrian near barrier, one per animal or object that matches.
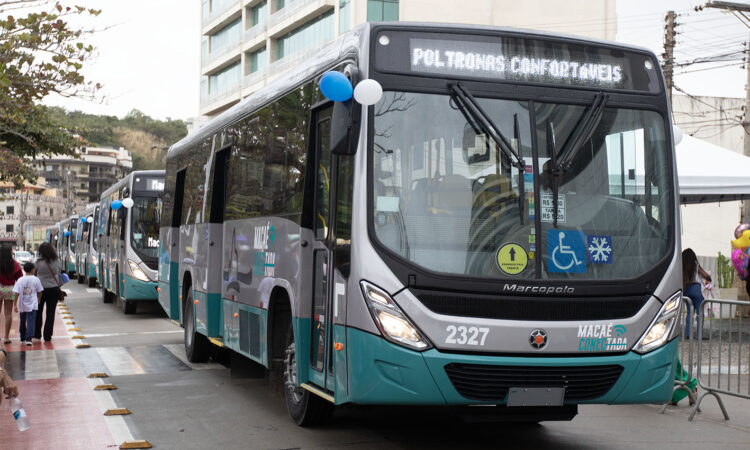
(49, 274)
(27, 293)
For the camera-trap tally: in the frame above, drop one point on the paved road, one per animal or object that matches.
(177, 404)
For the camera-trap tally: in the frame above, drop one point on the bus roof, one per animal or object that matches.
(352, 44)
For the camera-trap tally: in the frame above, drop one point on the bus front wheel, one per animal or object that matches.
(106, 296)
(197, 346)
(305, 408)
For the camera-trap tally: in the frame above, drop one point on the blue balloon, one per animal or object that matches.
(83, 219)
(335, 86)
(117, 204)
(67, 233)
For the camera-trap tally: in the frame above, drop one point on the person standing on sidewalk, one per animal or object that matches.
(28, 294)
(10, 271)
(692, 273)
(48, 270)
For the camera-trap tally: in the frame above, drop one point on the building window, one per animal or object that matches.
(9, 228)
(51, 212)
(309, 35)
(38, 210)
(9, 210)
(280, 4)
(258, 14)
(345, 8)
(225, 38)
(382, 10)
(224, 80)
(258, 60)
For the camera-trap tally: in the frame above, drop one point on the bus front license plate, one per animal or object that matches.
(520, 396)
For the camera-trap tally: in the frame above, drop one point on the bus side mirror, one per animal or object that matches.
(345, 127)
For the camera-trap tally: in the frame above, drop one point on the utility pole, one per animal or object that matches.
(668, 55)
(741, 11)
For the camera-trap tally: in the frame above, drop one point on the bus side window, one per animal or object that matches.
(343, 231)
(179, 193)
(219, 185)
(323, 182)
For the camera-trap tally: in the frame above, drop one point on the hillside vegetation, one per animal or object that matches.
(145, 137)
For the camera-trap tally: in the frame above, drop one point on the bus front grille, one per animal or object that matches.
(492, 383)
(531, 308)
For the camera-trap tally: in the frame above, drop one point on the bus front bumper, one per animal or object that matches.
(139, 290)
(384, 373)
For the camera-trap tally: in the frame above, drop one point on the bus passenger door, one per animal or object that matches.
(321, 368)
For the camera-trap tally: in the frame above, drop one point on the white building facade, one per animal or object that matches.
(247, 43)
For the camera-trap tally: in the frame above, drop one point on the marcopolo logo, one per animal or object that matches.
(538, 338)
(602, 338)
(538, 289)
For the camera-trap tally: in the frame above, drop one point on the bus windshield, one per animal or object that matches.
(448, 199)
(145, 218)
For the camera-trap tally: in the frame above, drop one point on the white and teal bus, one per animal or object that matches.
(128, 241)
(85, 251)
(67, 246)
(498, 226)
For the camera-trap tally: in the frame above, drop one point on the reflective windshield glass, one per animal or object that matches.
(446, 198)
(145, 216)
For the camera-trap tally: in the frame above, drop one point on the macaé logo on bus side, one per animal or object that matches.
(265, 261)
(602, 338)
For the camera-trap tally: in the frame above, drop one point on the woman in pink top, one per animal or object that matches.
(10, 271)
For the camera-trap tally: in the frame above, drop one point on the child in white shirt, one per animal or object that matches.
(27, 293)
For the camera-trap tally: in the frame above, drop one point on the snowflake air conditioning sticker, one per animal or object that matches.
(599, 249)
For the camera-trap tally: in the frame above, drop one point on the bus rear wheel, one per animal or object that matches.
(305, 408)
(128, 306)
(106, 296)
(81, 279)
(197, 346)
(92, 282)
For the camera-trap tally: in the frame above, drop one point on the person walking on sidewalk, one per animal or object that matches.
(10, 271)
(28, 294)
(49, 269)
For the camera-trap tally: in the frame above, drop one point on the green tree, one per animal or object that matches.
(40, 54)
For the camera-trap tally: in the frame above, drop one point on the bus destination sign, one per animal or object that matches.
(487, 60)
(516, 58)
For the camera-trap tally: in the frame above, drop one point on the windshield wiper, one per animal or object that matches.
(478, 118)
(584, 129)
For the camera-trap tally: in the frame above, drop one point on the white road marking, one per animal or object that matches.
(116, 424)
(135, 333)
(119, 361)
(178, 350)
(41, 364)
(92, 290)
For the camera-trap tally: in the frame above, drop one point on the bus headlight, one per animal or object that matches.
(137, 272)
(390, 320)
(663, 327)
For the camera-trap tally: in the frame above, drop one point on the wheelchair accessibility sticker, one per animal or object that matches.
(566, 251)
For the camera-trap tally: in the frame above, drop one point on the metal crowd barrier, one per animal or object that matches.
(716, 350)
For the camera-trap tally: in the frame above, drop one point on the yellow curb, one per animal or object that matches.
(98, 375)
(78, 337)
(70, 323)
(117, 412)
(74, 329)
(136, 444)
(83, 346)
(105, 387)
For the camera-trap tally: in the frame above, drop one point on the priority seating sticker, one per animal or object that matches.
(512, 259)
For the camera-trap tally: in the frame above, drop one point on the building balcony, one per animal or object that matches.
(295, 14)
(221, 58)
(253, 79)
(218, 17)
(252, 33)
(221, 100)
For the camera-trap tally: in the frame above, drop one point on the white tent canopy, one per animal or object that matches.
(709, 173)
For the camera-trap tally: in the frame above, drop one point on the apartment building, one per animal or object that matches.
(83, 178)
(26, 213)
(247, 43)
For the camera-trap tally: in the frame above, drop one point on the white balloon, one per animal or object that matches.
(677, 134)
(368, 92)
(128, 202)
(90, 219)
